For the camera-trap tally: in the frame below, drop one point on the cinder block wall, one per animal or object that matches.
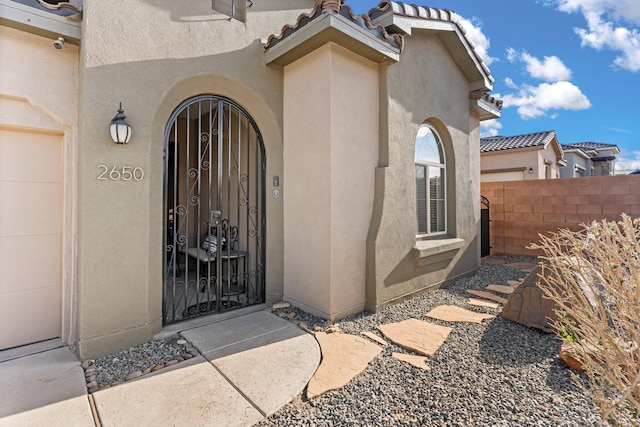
(521, 210)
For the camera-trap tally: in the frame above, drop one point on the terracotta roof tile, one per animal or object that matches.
(498, 143)
(427, 13)
(337, 7)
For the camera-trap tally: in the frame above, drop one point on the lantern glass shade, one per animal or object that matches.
(119, 128)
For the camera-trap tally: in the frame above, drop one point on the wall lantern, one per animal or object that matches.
(530, 170)
(119, 128)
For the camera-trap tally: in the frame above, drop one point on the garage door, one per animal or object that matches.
(502, 176)
(31, 195)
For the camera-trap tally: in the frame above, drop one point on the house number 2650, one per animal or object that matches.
(116, 173)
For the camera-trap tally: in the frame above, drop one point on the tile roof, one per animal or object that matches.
(590, 145)
(337, 7)
(57, 7)
(498, 143)
(427, 13)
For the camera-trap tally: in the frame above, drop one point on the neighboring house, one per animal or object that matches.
(520, 157)
(332, 159)
(589, 159)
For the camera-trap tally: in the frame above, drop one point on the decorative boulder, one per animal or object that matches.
(528, 306)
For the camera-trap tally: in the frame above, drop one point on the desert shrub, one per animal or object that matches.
(594, 276)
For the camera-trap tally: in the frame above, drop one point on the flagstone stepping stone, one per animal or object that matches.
(522, 265)
(344, 356)
(483, 303)
(376, 338)
(416, 335)
(513, 283)
(452, 313)
(417, 361)
(501, 289)
(487, 295)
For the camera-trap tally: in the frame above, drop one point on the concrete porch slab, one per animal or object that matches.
(268, 359)
(45, 389)
(195, 393)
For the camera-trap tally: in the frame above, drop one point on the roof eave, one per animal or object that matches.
(452, 38)
(484, 109)
(330, 27)
(39, 22)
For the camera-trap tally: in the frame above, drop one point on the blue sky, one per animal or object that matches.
(572, 66)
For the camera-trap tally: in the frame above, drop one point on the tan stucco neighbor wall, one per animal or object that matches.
(39, 93)
(151, 58)
(330, 154)
(499, 165)
(425, 86)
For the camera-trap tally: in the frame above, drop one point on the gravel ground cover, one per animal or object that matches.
(499, 373)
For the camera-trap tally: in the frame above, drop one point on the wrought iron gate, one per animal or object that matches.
(485, 236)
(214, 212)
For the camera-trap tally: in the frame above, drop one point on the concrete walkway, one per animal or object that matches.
(250, 366)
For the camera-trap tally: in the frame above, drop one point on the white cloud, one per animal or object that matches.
(510, 83)
(606, 29)
(628, 161)
(512, 55)
(537, 101)
(490, 128)
(551, 69)
(473, 29)
(619, 10)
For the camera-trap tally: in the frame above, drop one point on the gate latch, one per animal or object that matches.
(214, 218)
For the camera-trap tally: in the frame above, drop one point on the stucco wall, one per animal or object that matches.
(573, 159)
(495, 165)
(424, 86)
(330, 152)
(151, 58)
(39, 92)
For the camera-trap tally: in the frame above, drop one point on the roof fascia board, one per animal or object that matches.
(511, 150)
(556, 146)
(484, 109)
(330, 27)
(579, 152)
(32, 20)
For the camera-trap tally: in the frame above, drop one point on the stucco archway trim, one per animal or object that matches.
(269, 120)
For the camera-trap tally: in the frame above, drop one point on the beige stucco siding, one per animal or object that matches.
(38, 96)
(515, 163)
(424, 86)
(170, 52)
(330, 152)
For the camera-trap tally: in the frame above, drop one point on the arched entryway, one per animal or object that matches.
(214, 215)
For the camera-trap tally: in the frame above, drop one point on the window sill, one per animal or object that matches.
(436, 251)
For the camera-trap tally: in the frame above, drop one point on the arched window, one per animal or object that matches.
(430, 182)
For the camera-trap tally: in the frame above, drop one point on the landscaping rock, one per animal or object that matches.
(343, 357)
(487, 295)
(482, 303)
(570, 357)
(416, 335)
(528, 306)
(376, 338)
(452, 313)
(417, 361)
(501, 289)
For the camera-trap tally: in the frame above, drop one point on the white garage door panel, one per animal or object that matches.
(29, 316)
(30, 208)
(502, 176)
(29, 262)
(31, 216)
(42, 156)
